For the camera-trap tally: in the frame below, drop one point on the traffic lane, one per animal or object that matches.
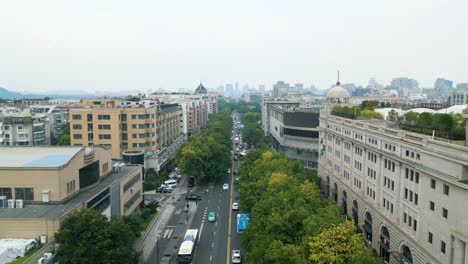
(235, 237)
(213, 238)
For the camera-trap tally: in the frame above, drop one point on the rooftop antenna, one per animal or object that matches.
(338, 82)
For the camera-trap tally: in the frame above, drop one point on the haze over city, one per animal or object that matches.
(148, 45)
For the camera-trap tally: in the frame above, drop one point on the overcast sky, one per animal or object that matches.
(127, 45)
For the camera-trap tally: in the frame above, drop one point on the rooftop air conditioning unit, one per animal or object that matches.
(19, 203)
(3, 202)
(116, 167)
(43, 239)
(11, 203)
(41, 261)
(121, 165)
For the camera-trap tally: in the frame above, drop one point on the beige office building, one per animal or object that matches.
(406, 191)
(40, 186)
(106, 122)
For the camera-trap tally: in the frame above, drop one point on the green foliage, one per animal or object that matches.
(286, 209)
(206, 156)
(392, 116)
(450, 126)
(64, 139)
(355, 112)
(138, 221)
(371, 104)
(411, 116)
(153, 180)
(337, 245)
(86, 236)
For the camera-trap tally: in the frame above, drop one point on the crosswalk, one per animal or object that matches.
(168, 231)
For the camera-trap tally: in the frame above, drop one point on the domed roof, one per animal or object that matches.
(337, 92)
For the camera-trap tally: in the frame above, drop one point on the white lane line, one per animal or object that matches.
(212, 245)
(201, 229)
(211, 257)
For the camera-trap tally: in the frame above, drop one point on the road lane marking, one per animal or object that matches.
(228, 248)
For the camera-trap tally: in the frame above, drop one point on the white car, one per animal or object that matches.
(235, 206)
(236, 256)
(225, 187)
(229, 170)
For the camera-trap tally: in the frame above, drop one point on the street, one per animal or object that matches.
(216, 239)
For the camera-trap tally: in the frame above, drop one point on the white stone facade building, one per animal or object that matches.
(404, 190)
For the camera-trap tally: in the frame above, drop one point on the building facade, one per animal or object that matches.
(23, 129)
(292, 130)
(458, 96)
(40, 186)
(404, 190)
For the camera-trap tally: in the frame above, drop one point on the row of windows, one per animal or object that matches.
(390, 147)
(143, 116)
(430, 238)
(347, 145)
(413, 155)
(347, 159)
(104, 127)
(411, 196)
(372, 140)
(372, 173)
(446, 189)
(388, 205)
(389, 165)
(357, 183)
(358, 151)
(144, 135)
(371, 193)
(132, 200)
(104, 117)
(358, 165)
(444, 210)
(410, 221)
(142, 145)
(337, 153)
(390, 184)
(143, 126)
(105, 136)
(358, 136)
(26, 194)
(412, 175)
(346, 174)
(372, 157)
(71, 187)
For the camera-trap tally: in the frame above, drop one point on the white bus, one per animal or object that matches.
(187, 248)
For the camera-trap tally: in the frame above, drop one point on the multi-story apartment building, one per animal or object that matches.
(121, 128)
(167, 123)
(458, 96)
(56, 115)
(40, 186)
(23, 129)
(293, 130)
(405, 190)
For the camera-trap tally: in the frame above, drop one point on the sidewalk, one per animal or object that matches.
(167, 207)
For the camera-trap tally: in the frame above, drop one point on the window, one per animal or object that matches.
(6, 192)
(105, 136)
(444, 212)
(433, 184)
(104, 127)
(76, 126)
(429, 237)
(105, 167)
(415, 198)
(416, 177)
(442, 247)
(431, 205)
(415, 225)
(406, 193)
(104, 117)
(446, 189)
(26, 194)
(77, 136)
(404, 218)
(76, 117)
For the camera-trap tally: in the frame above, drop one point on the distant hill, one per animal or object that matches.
(5, 94)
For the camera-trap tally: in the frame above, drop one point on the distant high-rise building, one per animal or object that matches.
(404, 85)
(229, 89)
(442, 87)
(261, 88)
(280, 89)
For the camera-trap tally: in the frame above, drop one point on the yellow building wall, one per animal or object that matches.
(28, 228)
(125, 196)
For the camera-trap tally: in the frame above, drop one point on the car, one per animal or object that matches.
(229, 170)
(225, 187)
(211, 216)
(193, 197)
(236, 256)
(235, 206)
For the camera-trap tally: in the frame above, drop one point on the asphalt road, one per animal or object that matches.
(216, 239)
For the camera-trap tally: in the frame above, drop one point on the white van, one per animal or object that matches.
(171, 183)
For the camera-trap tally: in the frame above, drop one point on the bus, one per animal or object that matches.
(242, 222)
(186, 253)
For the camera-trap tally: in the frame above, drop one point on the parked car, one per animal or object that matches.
(225, 187)
(236, 256)
(211, 216)
(235, 206)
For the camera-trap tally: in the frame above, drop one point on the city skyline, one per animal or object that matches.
(53, 45)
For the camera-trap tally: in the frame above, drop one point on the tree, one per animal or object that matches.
(392, 116)
(337, 245)
(86, 236)
(64, 139)
(411, 116)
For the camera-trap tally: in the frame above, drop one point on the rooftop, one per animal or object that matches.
(53, 211)
(36, 157)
